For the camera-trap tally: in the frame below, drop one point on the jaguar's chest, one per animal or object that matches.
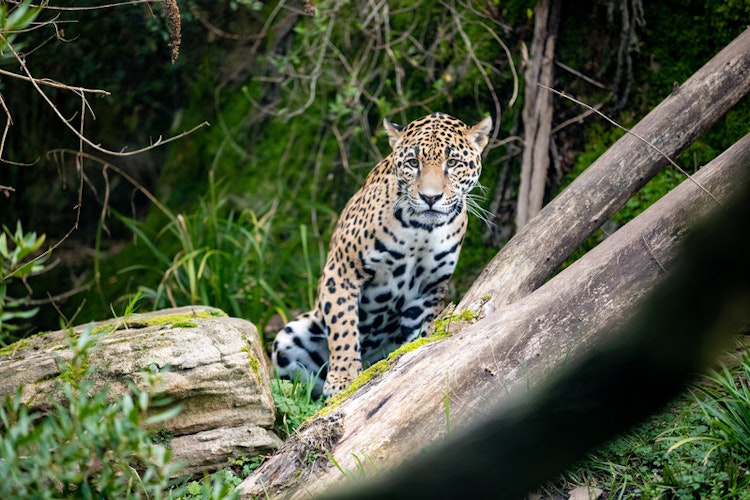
(407, 277)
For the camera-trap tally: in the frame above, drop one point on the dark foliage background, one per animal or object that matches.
(295, 104)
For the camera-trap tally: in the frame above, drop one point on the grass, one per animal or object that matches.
(699, 447)
(225, 258)
(294, 404)
(360, 471)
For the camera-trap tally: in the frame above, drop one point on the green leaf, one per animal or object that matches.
(4, 249)
(194, 488)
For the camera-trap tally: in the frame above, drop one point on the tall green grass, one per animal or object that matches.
(698, 448)
(245, 262)
(294, 404)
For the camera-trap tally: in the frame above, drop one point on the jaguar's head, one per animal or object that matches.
(437, 160)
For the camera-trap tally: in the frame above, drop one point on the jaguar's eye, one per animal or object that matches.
(412, 162)
(452, 162)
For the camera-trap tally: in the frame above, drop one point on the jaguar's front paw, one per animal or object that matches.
(341, 375)
(334, 385)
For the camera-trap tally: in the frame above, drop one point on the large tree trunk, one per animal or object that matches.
(537, 111)
(616, 385)
(454, 382)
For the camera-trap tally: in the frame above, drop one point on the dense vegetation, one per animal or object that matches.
(295, 104)
(237, 215)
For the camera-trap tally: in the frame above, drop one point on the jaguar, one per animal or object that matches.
(391, 254)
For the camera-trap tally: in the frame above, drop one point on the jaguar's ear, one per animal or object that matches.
(480, 133)
(393, 131)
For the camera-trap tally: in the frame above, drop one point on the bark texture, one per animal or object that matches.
(217, 374)
(537, 111)
(488, 363)
(563, 224)
(618, 384)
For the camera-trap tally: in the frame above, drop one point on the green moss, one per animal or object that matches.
(364, 377)
(23, 343)
(451, 317)
(15, 346)
(184, 324)
(73, 373)
(253, 361)
(173, 320)
(440, 332)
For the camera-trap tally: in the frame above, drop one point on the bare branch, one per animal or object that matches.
(628, 131)
(92, 7)
(578, 118)
(107, 165)
(503, 45)
(477, 63)
(581, 75)
(78, 134)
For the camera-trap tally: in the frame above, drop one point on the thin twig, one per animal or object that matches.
(82, 138)
(53, 298)
(651, 253)
(577, 118)
(628, 131)
(92, 7)
(342, 150)
(120, 172)
(581, 75)
(8, 123)
(505, 48)
(477, 63)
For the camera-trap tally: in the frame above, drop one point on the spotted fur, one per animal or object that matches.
(391, 255)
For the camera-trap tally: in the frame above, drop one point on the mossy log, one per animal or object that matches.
(679, 328)
(215, 371)
(522, 338)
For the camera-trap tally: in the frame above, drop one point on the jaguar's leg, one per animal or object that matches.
(418, 316)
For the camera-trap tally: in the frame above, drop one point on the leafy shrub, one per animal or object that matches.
(15, 250)
(87, 446)
(222, 483)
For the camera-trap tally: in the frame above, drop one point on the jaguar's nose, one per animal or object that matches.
(430, 199)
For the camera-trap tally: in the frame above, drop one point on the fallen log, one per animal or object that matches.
(458, 381)
(679, 329)
(548, 239)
